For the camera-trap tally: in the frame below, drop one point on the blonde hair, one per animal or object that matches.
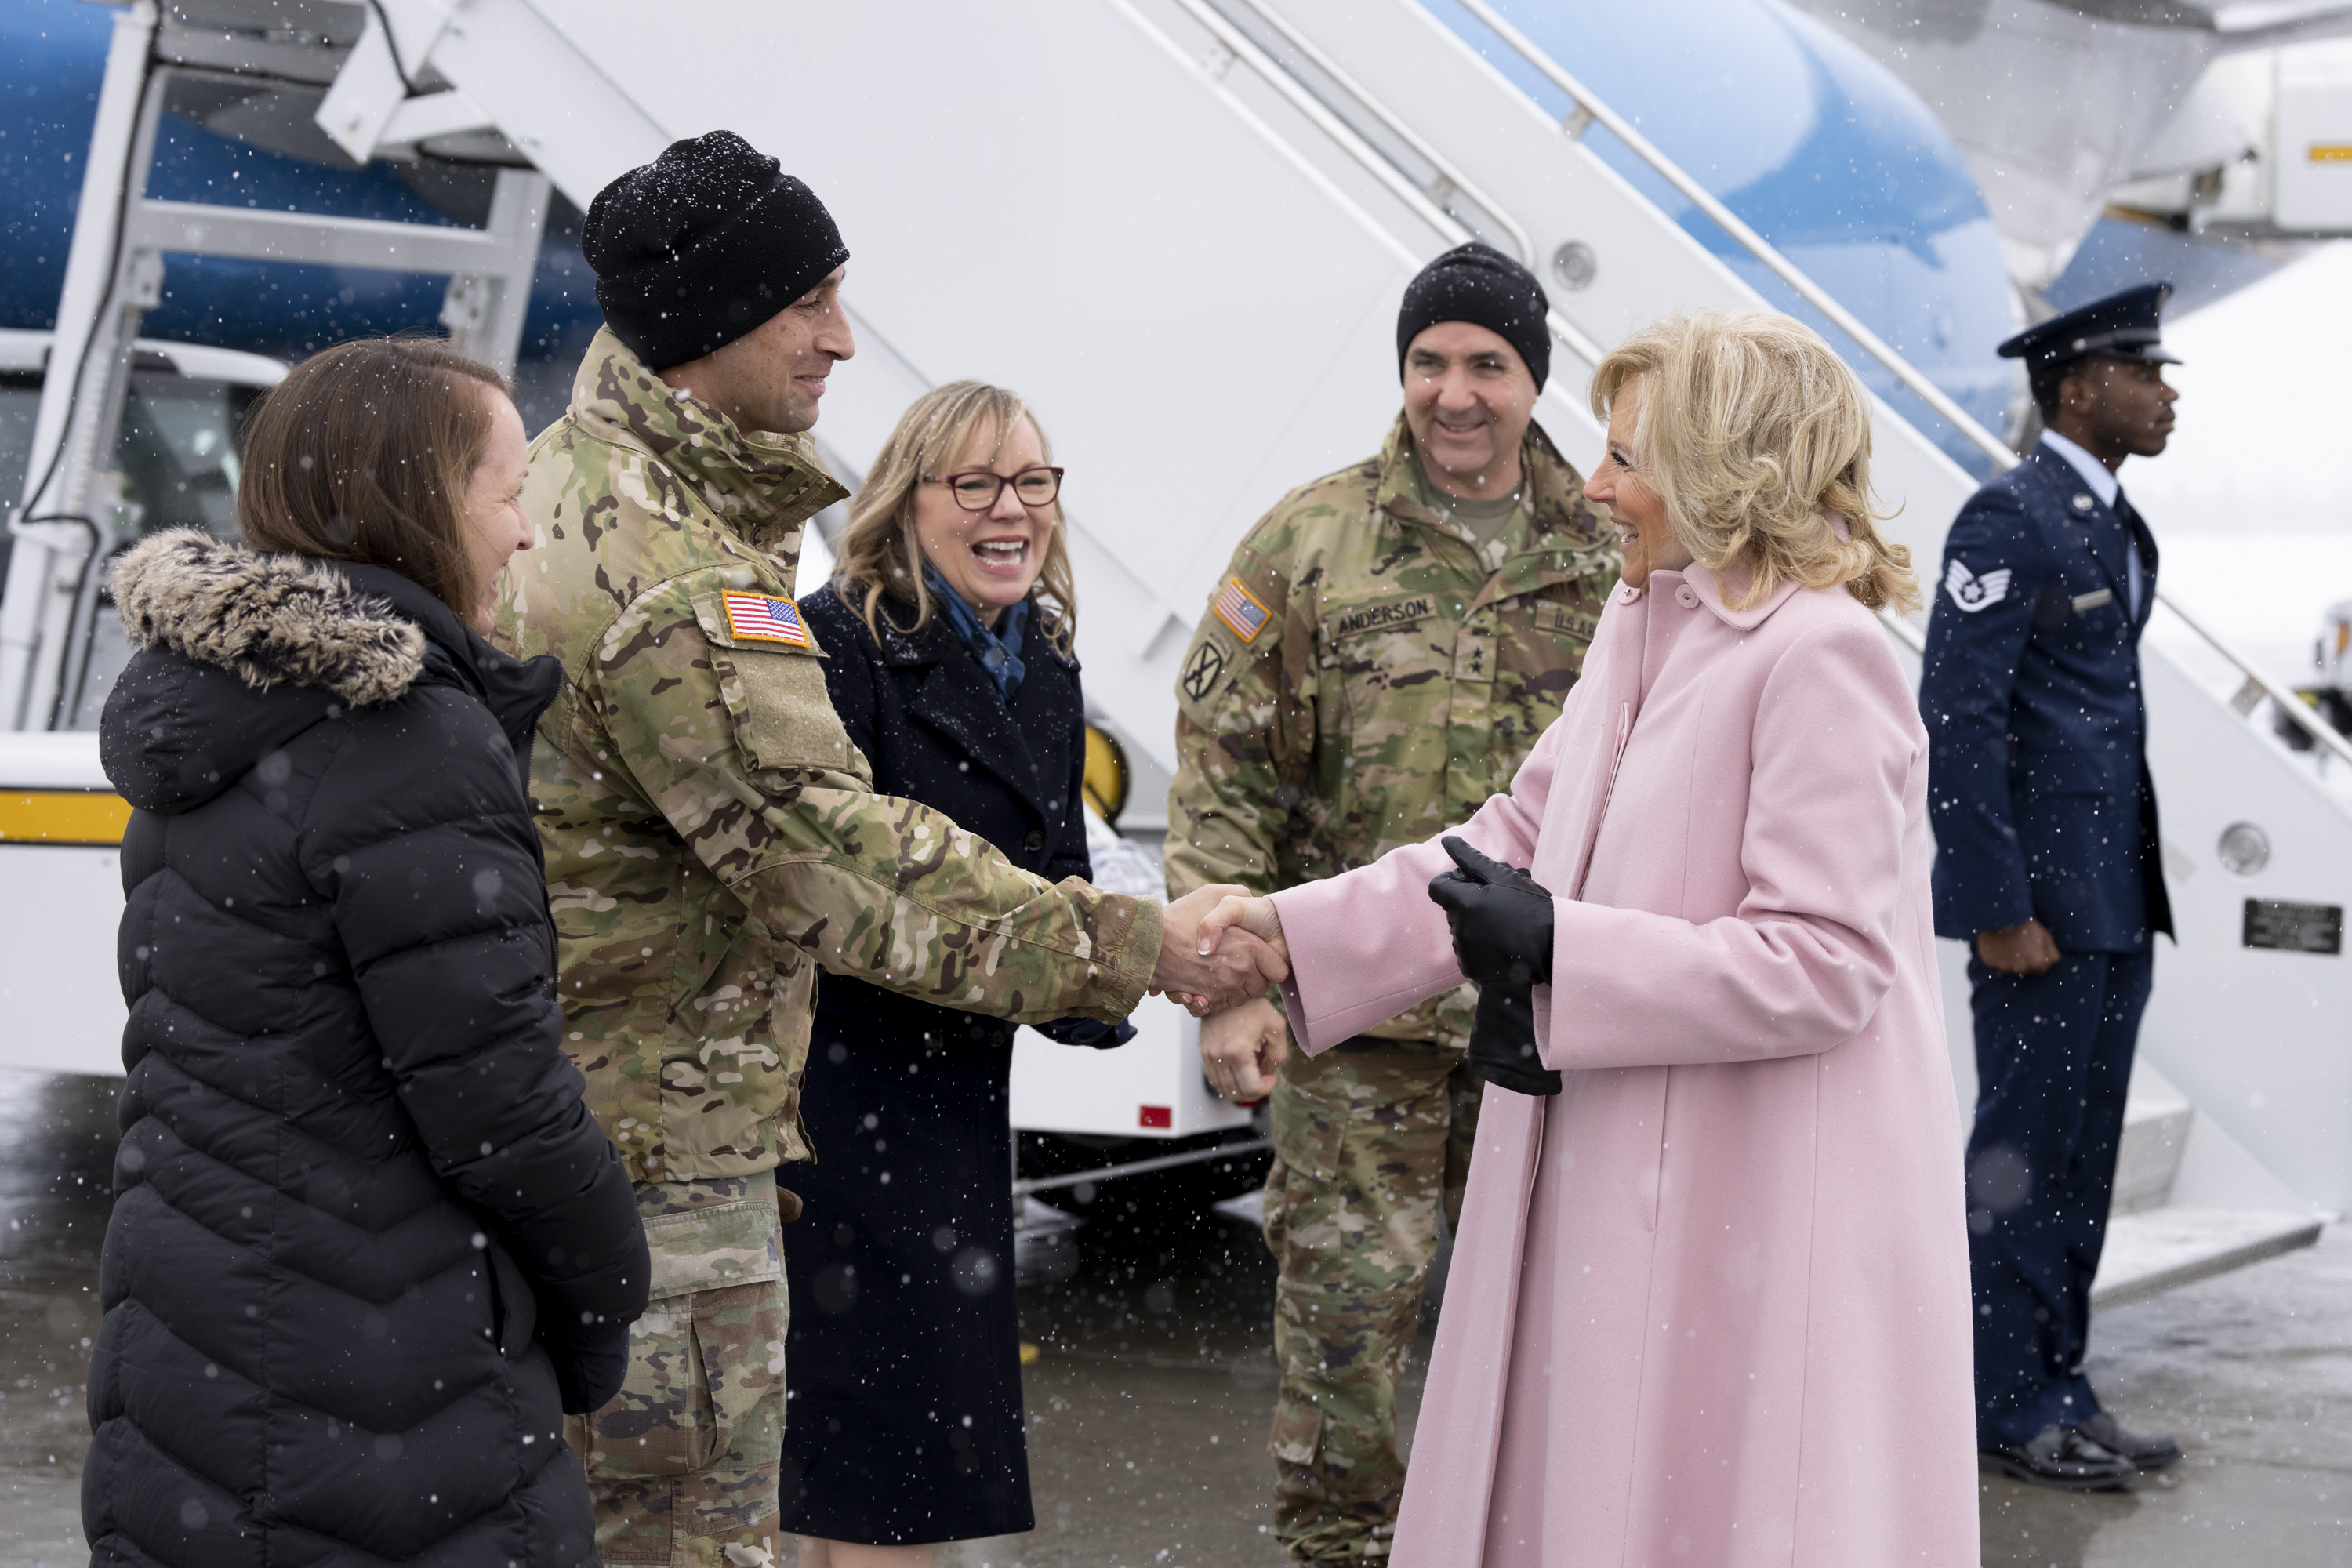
(1750, 429)
(878, 548)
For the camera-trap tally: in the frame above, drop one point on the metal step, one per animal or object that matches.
(2154, 1244)
(2156, 1133)
(2161, 1250)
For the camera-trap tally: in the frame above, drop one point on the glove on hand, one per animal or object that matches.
(1500, 919)
(1502, 925)
(1087, 1032)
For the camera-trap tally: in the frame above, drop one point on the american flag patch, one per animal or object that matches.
(760, 618)
(1240, 610)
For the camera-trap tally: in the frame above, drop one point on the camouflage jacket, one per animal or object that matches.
(711, 835)
(1366, 674)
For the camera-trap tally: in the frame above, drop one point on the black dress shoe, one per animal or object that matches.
(2147, 1453)
(2062, 1456)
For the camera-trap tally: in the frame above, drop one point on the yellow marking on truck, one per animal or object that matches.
(2331, 152)
(62, 816)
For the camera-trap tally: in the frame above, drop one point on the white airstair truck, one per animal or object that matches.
(1229, 198)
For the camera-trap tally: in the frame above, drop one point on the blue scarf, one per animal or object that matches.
(999, 651)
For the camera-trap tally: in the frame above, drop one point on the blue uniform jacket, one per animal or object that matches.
(2037, 774)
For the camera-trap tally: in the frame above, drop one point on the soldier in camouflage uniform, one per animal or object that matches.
(1386, 647)
(711, 835)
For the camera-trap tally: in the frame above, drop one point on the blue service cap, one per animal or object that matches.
(2124, 326)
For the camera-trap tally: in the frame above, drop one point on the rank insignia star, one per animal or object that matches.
(1972, 593)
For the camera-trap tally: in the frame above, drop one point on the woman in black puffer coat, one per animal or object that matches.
(367, 1244)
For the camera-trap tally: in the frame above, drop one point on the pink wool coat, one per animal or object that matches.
(1710, 1304)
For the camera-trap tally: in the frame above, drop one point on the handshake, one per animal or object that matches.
(1204, 967)
(1501, 921)
(1220, 948)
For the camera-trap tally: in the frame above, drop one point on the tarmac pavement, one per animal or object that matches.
(1150, 1397)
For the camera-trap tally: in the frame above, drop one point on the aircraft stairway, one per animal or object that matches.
(1182, 228)
(2232, 1024)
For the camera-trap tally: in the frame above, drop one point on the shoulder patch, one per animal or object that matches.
(1239, 608)
(762, 617)
(1972, 593)
(1204, 667)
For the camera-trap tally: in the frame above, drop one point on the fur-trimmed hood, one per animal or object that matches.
(271, 620)
(241, 652)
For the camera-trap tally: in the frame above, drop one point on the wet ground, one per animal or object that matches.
(56, 1153)
(1150, 1394)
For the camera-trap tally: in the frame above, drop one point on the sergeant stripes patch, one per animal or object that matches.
(1239, 609)
(762, 618)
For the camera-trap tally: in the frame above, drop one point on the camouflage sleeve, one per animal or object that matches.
(1245, 725)
(733, 740)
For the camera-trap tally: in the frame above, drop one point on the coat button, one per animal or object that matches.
(1036, 840)
(1685, 598)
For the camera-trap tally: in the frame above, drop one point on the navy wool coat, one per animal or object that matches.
(904, 1365)
(2039, 792)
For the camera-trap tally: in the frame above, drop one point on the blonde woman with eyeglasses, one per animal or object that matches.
(1709, 1300)
(948, 630)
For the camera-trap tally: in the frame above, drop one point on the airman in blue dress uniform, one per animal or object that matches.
(2047, 865)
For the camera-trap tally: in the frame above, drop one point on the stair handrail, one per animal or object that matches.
(1395, 123)
(1590, 108)
(1346, 138)
(2288, 703)
(2256, 682)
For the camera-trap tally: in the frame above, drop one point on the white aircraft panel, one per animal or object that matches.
(58, 989)
(2260, 1041)
(1226, 278)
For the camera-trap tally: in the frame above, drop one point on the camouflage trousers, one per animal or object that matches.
(1371, 1139)
(683, 1460)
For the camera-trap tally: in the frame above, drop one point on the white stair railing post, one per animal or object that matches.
(88, 357)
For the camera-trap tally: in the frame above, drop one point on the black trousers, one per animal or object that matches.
(2053, 1060)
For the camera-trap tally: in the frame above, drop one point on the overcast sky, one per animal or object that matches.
(2251, 503)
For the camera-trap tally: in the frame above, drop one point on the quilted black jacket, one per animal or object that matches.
(366, 1243)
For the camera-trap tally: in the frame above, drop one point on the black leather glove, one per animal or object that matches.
(591, 1366)
(1502, 925)
(1087, 1032)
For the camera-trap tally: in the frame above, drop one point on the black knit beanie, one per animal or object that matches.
(1478, 284)
(703, 244)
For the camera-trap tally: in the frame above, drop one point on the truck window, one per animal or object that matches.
(175, 449)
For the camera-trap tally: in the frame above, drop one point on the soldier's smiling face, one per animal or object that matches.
(805, 340)
(772, 377)
(1467, 401)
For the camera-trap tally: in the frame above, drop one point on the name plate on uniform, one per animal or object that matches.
(2294, 928)
(2098, 600)
(1381, 616)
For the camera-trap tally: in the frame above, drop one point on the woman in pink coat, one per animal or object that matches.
(1709, 1300)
